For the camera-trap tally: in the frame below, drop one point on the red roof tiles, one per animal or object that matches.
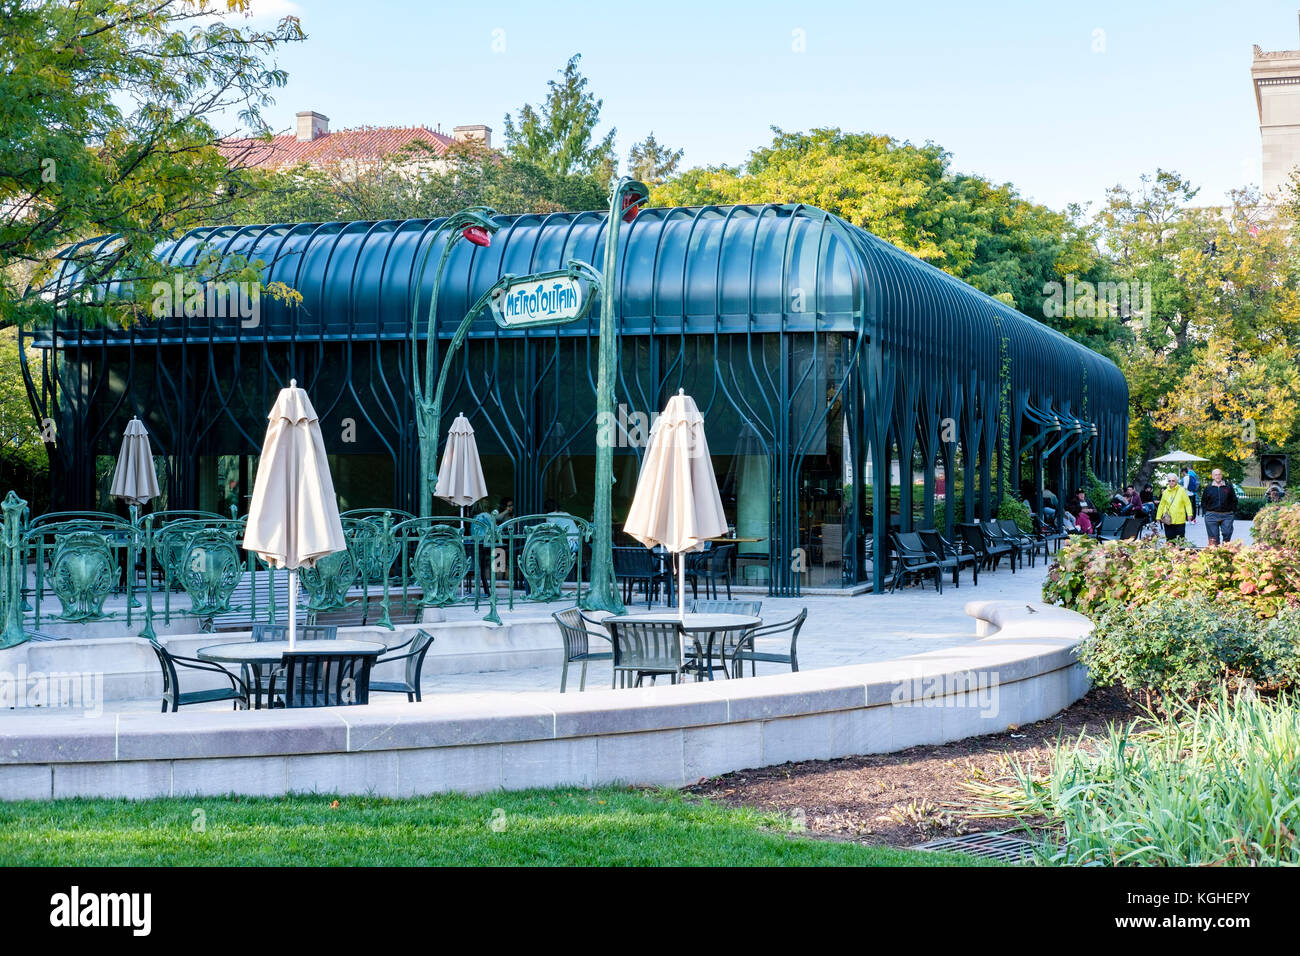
(366, 143)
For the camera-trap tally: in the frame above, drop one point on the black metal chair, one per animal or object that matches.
(712, 566)
(577, 645)
(950, 557)
(746, 647)
(236, 692)
(645, 648)
(1046, 533)
(280, 632)
(1111, 527)
(640, 565)
(305, 632)
(989, 552)
(914, 561)
(416, 649)
(717, 644)
(995, 536)
(323, 678)
(1028, 543)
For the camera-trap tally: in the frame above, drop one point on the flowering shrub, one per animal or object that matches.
(1277, 526)
(1181, 621)
(1187, 649)
(1093, 577)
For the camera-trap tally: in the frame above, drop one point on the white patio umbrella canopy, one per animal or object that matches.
(460, 477)
(677, 504)
(1178, 456)
(134, 479)
(294, 516)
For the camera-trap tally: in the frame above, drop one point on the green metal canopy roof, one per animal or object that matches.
(696, 271)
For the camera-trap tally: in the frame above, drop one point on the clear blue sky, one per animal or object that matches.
(1013, 88)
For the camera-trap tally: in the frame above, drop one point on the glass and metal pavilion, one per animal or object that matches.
(834, 371)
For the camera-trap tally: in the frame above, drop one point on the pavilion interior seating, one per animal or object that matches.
(638, 565)
(711, 566)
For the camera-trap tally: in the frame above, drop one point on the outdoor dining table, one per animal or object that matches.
(703, 625)
(254, 654)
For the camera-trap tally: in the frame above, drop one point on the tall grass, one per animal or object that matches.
(1218, 786)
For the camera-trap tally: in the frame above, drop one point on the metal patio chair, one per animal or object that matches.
(949, 556)
(416, 649)
(645, 648)
(994, 534)
(722, 642)
(711, 566)
(1112, 526)
(280, 632)
(989, 552)
(237, 692)
(577, 645)
(640, 565)
(1029, 544)
(914, 561)
(746, 646)
(323, 678)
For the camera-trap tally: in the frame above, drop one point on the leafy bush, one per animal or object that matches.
(1278, 526)
(1249, 506)
(1188, 648)
(1220, 787)
(1016, 510)
(1097, 492)
(1094, 577)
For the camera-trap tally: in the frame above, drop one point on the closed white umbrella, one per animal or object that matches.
(134, 479)
(294, 516)
(677, 504)
(460, 478)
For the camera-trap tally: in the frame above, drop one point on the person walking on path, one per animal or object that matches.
(1192, 484)
(1175, 509)
(1219, 505)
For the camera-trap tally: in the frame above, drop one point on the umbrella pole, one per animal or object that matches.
(293, 605)
(681, 586)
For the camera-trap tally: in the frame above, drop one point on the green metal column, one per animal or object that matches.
(603, 594)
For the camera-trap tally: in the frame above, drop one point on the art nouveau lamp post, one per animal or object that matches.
(475, 224)
(624, 202)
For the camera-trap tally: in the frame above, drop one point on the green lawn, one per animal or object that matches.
(607, 827)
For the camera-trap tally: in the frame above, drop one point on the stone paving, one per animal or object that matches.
(839, 630)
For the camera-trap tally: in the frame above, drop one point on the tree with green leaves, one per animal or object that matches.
(1211, 363)
(651, 162)
(110, 124)
(411, 184)
(558, 136)
(909, 195)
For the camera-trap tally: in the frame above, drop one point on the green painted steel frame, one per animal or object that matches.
(772, 297)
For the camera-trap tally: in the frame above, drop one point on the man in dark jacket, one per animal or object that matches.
(1218, 504)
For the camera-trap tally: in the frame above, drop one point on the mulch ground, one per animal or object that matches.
(915, 795)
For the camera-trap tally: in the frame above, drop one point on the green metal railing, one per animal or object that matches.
(88, 567)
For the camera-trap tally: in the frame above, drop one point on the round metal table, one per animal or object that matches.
(697, 625)
(258, 656)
